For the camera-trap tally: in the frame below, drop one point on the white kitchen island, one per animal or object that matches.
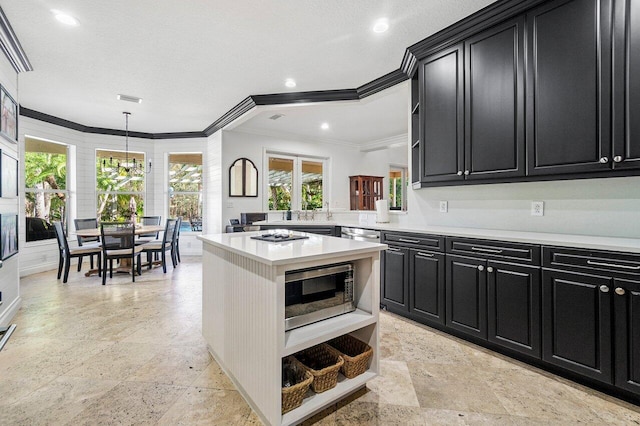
(243, 313)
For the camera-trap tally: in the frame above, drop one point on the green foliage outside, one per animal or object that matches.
(115, 191)
(280, 196)
(185, 182)
(45, 171)
(397, 200)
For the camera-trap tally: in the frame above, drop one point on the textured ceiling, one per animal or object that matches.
(193, 60)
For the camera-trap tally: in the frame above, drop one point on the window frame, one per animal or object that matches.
(171, 192)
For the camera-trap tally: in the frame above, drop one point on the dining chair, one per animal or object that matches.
(166, 244)
(67, 253)
(177, 240)
(90, 223)
(118, 243)
(147, 221)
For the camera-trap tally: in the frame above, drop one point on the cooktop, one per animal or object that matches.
(279, 237)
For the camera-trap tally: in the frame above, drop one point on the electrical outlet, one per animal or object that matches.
(537, 208)
(444, 206)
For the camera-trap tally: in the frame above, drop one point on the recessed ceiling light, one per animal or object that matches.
(64, 18)
(290, 82)
(324, 126)
(381, 25)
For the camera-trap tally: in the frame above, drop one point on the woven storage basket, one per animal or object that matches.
(326, 377)
(356, 354)
(293, 395)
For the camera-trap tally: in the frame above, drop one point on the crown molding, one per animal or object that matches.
(11, 47)
(381, 83)
(384, 143)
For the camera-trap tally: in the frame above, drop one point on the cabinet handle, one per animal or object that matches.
(466, 172)
(489, 269)
(408, 241)
(424, 254)
(617, 158)
(480, 268)
(604, 160)
(459, 173)
(393, 249)
(620, 291)
(604, 289)
(613, 265)
(486, 250)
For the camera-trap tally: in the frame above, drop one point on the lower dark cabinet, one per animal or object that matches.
(627, 334)
(513, 307)
(395, 280)
(466, 295)
(426, 287)
(576, 317)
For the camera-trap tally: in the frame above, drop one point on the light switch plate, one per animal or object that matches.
(537, 208)
(444, 206)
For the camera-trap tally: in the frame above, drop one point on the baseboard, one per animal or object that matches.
(10, 312)
(36, 269)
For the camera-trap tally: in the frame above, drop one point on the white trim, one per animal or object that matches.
(10, 312)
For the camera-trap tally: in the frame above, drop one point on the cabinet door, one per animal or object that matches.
(626, 132)
(466, 295)
(394, 289)
(513, 307)
(568, 87)
(426, 286)
(627, 334)
(576, 317)
(441, 108)
(494, 102)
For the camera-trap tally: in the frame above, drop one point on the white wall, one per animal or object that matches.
(43, 255)
(9, 282)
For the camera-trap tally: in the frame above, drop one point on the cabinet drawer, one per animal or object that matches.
(423, 241)
(585, 260)
(523, 253)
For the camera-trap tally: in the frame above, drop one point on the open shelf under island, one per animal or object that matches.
(243, 313)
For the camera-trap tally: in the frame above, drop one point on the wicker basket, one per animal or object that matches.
(293, 395)
(356, 354)
(326, 376)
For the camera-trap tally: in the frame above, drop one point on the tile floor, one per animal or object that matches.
(132, 354)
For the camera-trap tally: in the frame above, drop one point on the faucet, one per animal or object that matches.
(329, 214)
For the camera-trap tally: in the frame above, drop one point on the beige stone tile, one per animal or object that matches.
(200, 406)
(253, 420)
(366, 413)
(431, 348)
(391, 347)
(131, 403)
(57, 402)
(174, 366)
(213, 378)
(482, 358)
(392, 386)
(12, 390)
(435, 417)
(453, 387)
(326, 417)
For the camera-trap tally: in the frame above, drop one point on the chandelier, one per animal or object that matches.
(132, 167)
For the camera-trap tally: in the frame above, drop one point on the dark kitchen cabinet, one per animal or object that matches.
(627, 334)
(577, 320)
(568, 87)
(466, 295)
(626, 131)
(394, 291)
(513, 307)
(441, 113)
(426, 287)
(494, 102)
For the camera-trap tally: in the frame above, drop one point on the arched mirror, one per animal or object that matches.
(243, 178)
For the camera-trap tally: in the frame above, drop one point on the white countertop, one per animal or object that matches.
(631, 245)
(316, 247)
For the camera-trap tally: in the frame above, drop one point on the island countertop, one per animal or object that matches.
(316, 247)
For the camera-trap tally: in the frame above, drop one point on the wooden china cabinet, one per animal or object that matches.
(364, 191)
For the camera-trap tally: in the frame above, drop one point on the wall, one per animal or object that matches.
(9, 281)
(43, 255)
(605, 207)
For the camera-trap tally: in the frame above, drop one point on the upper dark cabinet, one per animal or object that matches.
(494, 102)
(568, 87)
(626, 132)
(441, 112)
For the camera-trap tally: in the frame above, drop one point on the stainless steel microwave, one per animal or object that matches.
(316, 294)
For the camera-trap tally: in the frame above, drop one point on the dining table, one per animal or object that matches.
(125, 265)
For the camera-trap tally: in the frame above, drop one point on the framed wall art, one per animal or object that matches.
(9, 174)
(8, 235)
(8, 115)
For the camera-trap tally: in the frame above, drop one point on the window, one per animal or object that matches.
(185, 189)
(295, 183)
(46, 194)
(119, 193)
(397, 184)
